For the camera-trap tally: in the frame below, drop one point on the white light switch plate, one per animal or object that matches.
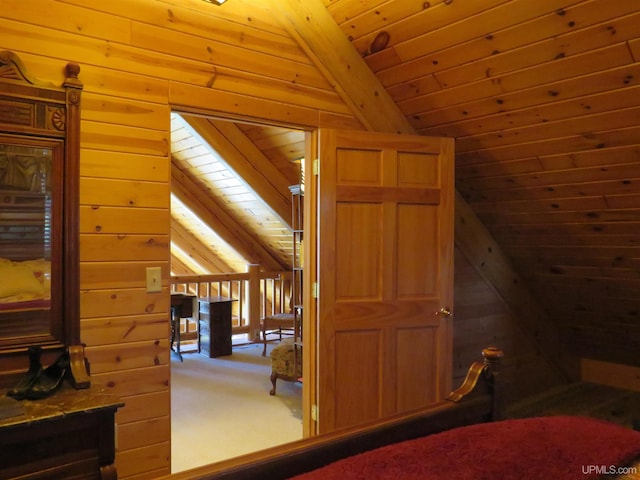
(154, 279)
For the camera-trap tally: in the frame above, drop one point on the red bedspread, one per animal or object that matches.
(543, 448)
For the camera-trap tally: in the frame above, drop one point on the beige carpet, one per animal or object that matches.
(221, 407)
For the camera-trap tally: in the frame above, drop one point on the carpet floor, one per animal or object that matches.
(221, 407)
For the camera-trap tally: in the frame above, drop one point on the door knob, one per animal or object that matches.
(444, 312)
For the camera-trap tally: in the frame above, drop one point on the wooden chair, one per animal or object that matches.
(286, 362)
(286, 357)
(279, 323)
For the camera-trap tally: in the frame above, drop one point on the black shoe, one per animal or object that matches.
(50, 379)
(31, 377)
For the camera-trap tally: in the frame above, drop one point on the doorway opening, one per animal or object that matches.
(231, 216)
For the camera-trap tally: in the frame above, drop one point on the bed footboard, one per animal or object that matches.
(475, 401)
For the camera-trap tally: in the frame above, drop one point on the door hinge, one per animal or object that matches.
(314, 290)
(316, 166)
(314, 413)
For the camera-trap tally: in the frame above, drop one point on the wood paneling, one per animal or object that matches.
(105, 303)
(128, 356)
(123, 111)
(481, 318)
(279, 145)
(118, 274)
(605, 373)
(123, 165)
(146, 462)
(193, 98)
(144, 407)
(125, 383)
(215, 214)
(190, 250)
(102, 136)
(136, 59)
(542, 99)
(123, 247)
(97, 219)
(482, 248)
(135, 435)
(123, 193)
(541, 96)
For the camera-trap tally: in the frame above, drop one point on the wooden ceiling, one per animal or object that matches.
(231, 204)
(543, 99)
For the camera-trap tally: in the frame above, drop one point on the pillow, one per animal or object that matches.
(25, 280)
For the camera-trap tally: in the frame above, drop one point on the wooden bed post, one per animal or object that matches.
(492, 359)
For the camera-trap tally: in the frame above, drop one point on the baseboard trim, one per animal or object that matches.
(612, 374)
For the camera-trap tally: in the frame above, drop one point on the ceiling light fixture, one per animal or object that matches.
(215, 2)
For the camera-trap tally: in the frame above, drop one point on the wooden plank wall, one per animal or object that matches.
(134, 71)
(543, 99)
(138, 60)
(481, 319)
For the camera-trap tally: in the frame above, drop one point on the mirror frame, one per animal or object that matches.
(34, 111)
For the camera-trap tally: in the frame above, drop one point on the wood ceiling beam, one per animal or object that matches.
(312, 26)
(309, 23)
(247, 161)
(178, 267)
(192, 246)
(216, 216)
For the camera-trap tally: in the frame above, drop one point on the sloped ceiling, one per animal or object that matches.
(543, 99)
(231, 203)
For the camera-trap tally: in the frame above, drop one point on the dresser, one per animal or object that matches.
(214, 326)
(68, 435)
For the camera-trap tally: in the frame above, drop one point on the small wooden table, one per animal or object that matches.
(181, 307)
(214, 326)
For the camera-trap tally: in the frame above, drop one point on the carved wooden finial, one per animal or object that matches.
(492, 356)
(492, 359)
(72, 70)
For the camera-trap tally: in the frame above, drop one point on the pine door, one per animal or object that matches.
(385, 270)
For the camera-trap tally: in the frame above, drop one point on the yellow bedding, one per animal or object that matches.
(22, 281)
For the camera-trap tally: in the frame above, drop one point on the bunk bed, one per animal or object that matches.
(462, 437)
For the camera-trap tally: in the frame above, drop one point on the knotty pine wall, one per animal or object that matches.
(481, 319)
(140, 58)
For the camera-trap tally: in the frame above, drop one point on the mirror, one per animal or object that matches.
(29, 252)
(39, 177)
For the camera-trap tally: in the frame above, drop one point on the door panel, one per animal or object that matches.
(385, 245)
(417, 250)
(416, 351)
(360, 254)
(356, 399)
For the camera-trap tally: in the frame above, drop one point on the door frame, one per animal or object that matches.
(309, 323)
(310, 385)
